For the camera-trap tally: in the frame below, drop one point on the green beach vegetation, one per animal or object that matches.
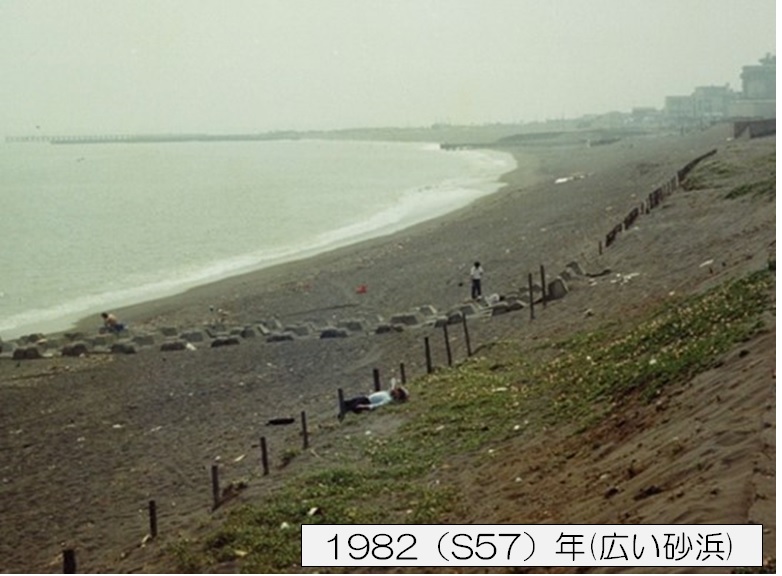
(500, 393)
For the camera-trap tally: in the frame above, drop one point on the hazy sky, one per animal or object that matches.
(84, 66)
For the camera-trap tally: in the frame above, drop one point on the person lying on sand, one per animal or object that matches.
(358, 404)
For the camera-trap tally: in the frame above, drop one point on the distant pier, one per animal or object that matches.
(149, 138)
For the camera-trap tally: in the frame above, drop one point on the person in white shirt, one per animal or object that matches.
(375, 400)
(476, 273)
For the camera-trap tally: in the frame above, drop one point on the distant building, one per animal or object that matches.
(644, 115)
(706, 103)
(679, 109)
(757, 98)
(759, 82)
(758, 90)
(712, 102)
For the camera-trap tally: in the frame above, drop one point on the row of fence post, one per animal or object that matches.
(69, 558)
(653, 200)
(69, 554)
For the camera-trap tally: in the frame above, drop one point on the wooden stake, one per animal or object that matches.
(341, 400)
(531, 299)
(466, 336)
(376, 378)
(447, 345)
(69, 561)
(304, 433)
(264, 457)
(152, 519)
(428, 355)
(215, 487)
(402, 375)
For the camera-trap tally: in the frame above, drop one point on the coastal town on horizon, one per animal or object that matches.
(755, 100)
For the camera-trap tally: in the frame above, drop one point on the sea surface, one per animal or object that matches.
(93, 227)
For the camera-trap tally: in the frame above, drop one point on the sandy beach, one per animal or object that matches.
(427, 263)
(88, 441)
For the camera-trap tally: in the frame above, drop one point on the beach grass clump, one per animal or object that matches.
(716, 173)
(709, 174)
(721, 169)
(266, 537)
(684, 338)
(760, 188)
(502, 393)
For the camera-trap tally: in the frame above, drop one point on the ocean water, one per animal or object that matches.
(98, 226)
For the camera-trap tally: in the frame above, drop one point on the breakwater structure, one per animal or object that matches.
(149, 138)
(755, 128)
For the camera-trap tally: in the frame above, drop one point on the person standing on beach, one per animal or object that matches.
(476, 273)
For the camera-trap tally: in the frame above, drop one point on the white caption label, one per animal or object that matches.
(566, 545)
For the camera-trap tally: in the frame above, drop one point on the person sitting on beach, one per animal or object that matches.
(358, 404)
(218, 316)
(111, 323)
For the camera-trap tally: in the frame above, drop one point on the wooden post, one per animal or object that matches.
(215, 487)
(543, 284)
(402, 375)
(341, 400)
(466, 335)
(376, 378)
(152, 519)
(447, 345)
(264, 456)
(304, 433)
(428, 355)
(531, 299)
(69, 561)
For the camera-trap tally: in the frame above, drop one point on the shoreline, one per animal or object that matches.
(388, 264)
(166, 290)
(434, 256)
(156, 312)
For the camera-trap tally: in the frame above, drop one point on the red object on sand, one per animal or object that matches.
(362, 289)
